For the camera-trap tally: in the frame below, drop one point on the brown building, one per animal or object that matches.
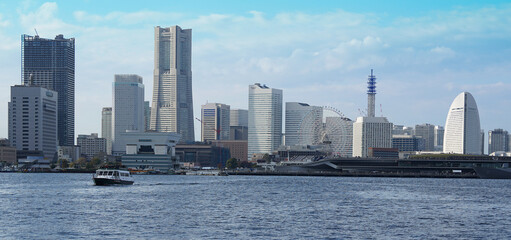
(238, 148)
(7, 155)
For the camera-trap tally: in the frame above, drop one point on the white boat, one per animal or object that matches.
(112, 176)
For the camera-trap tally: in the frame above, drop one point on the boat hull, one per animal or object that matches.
(493, 173)
(106, 182)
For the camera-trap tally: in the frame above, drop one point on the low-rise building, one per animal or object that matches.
(202, 154)
(91, 145)
(150, 150)
(238, 149)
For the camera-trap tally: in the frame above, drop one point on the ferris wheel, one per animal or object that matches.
(327, 128)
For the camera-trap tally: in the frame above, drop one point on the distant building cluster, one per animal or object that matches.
(160, 134)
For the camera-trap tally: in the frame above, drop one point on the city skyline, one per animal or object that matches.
(421, 63)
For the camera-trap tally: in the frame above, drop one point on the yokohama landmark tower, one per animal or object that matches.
(172, 106)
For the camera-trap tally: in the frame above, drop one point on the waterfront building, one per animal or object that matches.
(408, 143)
(371, 131)
(172, 105)
(296, 131)
(106, 128)
(427, 132)
(498, 141)
(239, 117)
(51, 63)
(33, 119)
(264, 119)
(462, 133)
(215, 121)
(68, 153)
(149, 150)
(439, 138)
(7, 153)
(237, 148)
(91, 145)
(128, 108)
(200, 154)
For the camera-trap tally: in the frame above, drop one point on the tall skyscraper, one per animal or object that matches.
(371, 131)
(215, 118)
(106, 128)
(127, 110)
(264, 119)
(51, 62)
(239, 117)
(498, 141)
(462, 133)
(439, 138)
(147, 115)
(33, 119)
(239, 125)
(296, 132)
(427, 132)
(172, 106)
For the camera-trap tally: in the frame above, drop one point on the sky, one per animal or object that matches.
(424, 53)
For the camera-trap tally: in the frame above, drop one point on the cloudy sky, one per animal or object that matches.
(423, 54)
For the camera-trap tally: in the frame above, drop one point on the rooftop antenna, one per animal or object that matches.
(37, 34)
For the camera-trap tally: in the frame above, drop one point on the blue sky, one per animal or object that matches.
(424, 54)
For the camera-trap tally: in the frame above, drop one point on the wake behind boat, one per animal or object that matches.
(112, 176)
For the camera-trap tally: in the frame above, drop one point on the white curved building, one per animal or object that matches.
(462, 128)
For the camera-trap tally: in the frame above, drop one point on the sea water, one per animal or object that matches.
(69, 206)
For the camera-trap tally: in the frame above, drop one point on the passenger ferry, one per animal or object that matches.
(112, 176)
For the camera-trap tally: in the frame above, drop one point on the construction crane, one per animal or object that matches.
(218, 131)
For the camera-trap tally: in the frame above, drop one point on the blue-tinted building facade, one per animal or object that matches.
(51, 62)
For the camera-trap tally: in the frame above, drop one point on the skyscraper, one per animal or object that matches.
(172, 105)
(127, 110)
(296, 132)
(371, 131)
(51, 62)
(498, 141)
(33, 119)
(106, 128)
(239, 125)
(427, 132)
(439, 138)
(462, 133)
(215, 120)
(147, 115)
(264, 119)
(239, 117)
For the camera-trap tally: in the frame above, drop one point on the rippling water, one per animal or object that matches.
(69, 206)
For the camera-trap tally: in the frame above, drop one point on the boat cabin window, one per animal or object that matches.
(110, 173)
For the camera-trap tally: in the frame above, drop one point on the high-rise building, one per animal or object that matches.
(106, 128)
(498, 141)
(462, 133)
(147, 115)
(239, 117)
(427, 132)
(33, 119)
(296, 131)
(264, 119)
(91, 145)
(408, 143)
(172, 105)
(239, 125)
(371, 132)
(127, 110)
(439, 138)
(215, 120)
(51, 63)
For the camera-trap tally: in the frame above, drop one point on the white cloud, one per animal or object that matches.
(319, 58)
